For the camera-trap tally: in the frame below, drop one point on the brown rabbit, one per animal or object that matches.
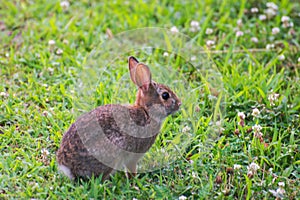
(111, 137)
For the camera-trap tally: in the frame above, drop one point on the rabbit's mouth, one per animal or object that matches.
(174, 108)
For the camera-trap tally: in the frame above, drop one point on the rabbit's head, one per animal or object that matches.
(152, 95)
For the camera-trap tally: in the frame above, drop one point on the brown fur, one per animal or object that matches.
(93, 138)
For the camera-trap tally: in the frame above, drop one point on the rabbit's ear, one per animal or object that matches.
(132, 63)
(142, 76)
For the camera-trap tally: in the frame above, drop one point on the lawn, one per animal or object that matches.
(236, 136)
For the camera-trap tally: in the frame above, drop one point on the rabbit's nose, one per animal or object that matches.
(179, 103)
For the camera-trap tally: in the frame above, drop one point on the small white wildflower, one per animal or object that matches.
(166, 54)
(272, 5)
(210, 43)
(174, 29)
(65, 5)
(239, 33)
(6, 55)
(134, 198)
(59, 51)
(286, 22)
(182, 197)
(275, 30)
(51, 42)
(239, 22)
(270, 46)
(273, 97)
(209, 31)
(195, 26)
(281, 57)
(254, 39)
(4, 94)
(280, 191)
(218, 123)
(241, 115)
(254, 10)
(285, 19)
(255, 112)
(51, 70)
(299, 60)
(194, 174)
(281, 184)
(262, 17)
(253, 167)
(256, 128)
(65, 41)
(270, 13)
(237, 167)
(193, 58)
(258, 134)
(44, 152)
(186, 129)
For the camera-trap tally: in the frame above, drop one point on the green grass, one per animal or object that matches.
(39, 90)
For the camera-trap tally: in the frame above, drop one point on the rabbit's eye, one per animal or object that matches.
(165, 95)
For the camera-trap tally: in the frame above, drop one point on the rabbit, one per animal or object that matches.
(113, 136)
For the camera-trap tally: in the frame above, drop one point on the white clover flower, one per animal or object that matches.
(256, 128)
(273, 97)
(59, 51)
(239, 22)
(182, 197)
(270, 46)
(253, 167)
(4, 94)
(281, 184)
(258, 134)
(286, 22)
(239, 33)
(270, 13)
(166, 54)
(208, 31)
(272, 5)
(241, 115)
(186, 129)
(254, 10)
(174, 29)
(237, 167)
(255, 112)
(45, 152)
(279, 193)
(65, 5)
(281, 57)
(194, 174)
(193, 58)
(275, 30)
(262, 17)
(195, 26)
(285, 19)
(65, 41)
(210, 43)
(51, 42)
(254, 39)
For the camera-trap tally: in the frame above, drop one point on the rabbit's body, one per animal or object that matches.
(112, 136)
